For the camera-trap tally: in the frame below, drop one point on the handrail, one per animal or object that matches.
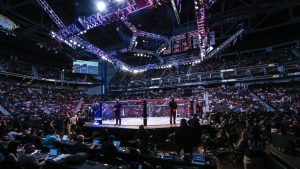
(216, 71)
(204, 82)
(44, 79)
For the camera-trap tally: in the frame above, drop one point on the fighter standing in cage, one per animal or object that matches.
(173, 108)
(117, 111)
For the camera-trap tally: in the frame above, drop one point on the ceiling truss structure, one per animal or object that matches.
(35, 29)
(220, 17)
(253, 14)
(97, 19)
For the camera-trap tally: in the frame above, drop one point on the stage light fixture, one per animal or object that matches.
(101, 6)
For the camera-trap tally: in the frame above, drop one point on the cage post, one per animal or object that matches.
(100, 116)
(192, 108)
(145, 110)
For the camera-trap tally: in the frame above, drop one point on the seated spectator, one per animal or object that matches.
(242, 142)
(109, 150)
(3, 126)
(222, 138)
(12, 155)
(194, 122)
(28, 160)
(14, 133)
(254, 155)
(80, 146)
(52, 140)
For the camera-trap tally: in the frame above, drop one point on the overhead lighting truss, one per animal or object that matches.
(70, 34)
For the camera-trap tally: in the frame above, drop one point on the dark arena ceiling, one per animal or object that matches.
(223, 17)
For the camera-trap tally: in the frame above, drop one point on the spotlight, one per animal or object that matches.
(101, 6)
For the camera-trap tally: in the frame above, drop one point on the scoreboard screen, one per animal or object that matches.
(85, 67)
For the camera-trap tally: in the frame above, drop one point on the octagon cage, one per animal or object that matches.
(143, 112)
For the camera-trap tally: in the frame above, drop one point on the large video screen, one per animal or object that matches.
(85, 67)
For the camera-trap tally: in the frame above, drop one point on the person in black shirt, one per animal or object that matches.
(3, 126)
(117, 111)
(183, 138)
(28, 160)
(142, 139)
(173, 108)
(80, 146)
(194, 124)
(199, 108)
(254, 154)
(109, 150)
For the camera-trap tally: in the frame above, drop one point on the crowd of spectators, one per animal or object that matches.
(232, 99)
(238, 61)
(19, 98)
(235, 118)
(245, 133)
(282, 98)
(26, 98)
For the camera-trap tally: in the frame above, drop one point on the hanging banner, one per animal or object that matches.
(211, 38)
(186, 44)
(176, 46)
(195, 42)
(168, 50)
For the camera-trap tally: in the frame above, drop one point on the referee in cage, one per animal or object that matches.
(117, 111)
(173, 108)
